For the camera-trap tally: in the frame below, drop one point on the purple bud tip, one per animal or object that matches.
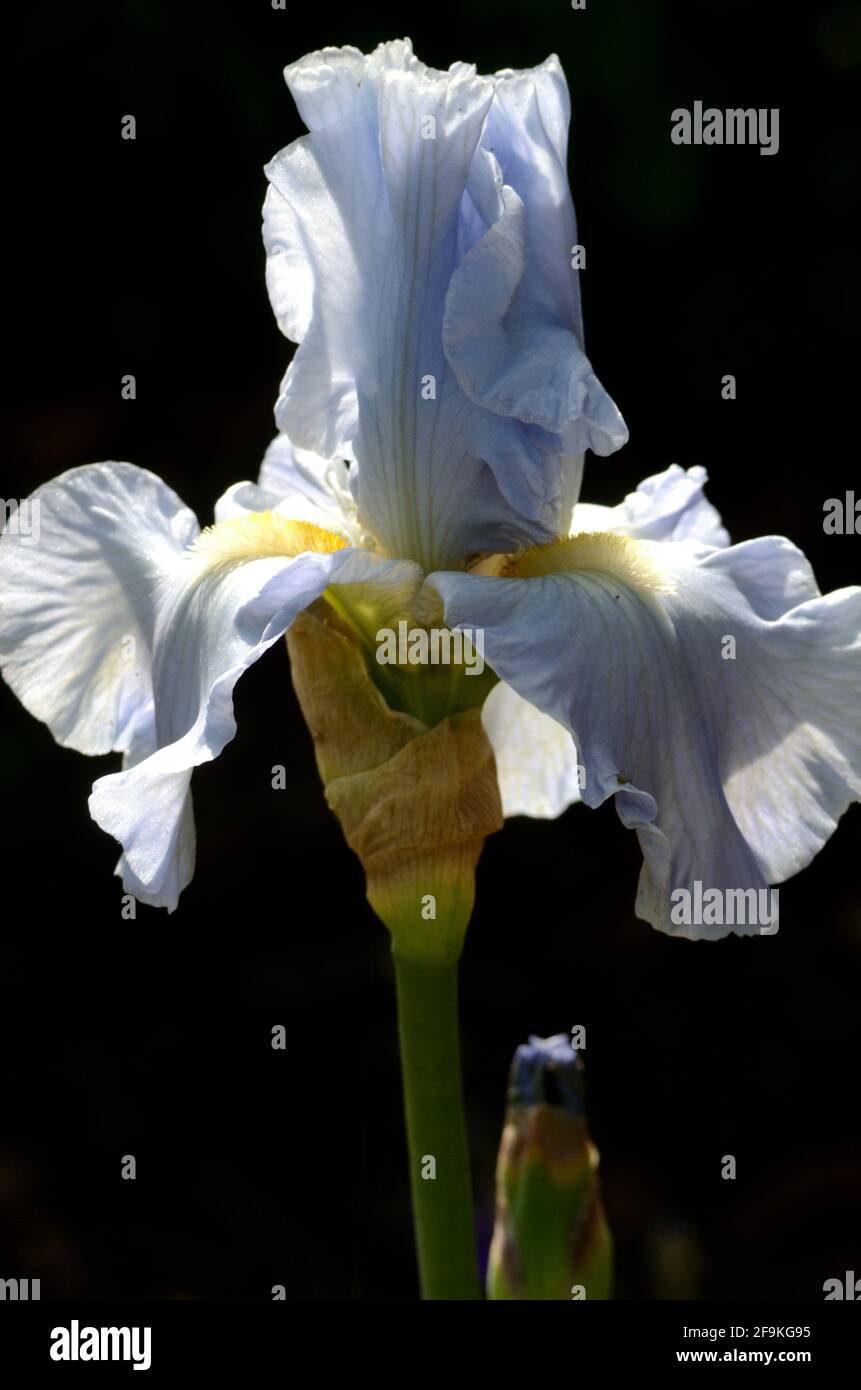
(547, 1071)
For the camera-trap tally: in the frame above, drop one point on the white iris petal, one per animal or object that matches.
(732, 762)
(440, 337)
(126, 629)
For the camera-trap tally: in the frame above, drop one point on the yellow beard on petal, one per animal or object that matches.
(260, 535)
(631, 562)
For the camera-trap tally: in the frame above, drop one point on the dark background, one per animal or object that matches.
(152, 1037)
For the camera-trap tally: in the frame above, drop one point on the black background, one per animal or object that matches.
(152, 1037)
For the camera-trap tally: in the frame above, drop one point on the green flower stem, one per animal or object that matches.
(430, 1059)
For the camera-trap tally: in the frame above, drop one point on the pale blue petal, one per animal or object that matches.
(365, 223)
(77, 607)
(535, 757)
(527, 132)
(300, 486)
(734, 772)
(536, 761)
(515, 357)
(668, 506)
(122, 631)
(214, 621)
(513, 327)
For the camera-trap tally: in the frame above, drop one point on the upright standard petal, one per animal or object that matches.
(668, 506)
(302, 486)
(513, 324)
(713, 692)
(367, 223)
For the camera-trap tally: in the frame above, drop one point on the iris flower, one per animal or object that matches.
(433, 423)
(423, 229)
